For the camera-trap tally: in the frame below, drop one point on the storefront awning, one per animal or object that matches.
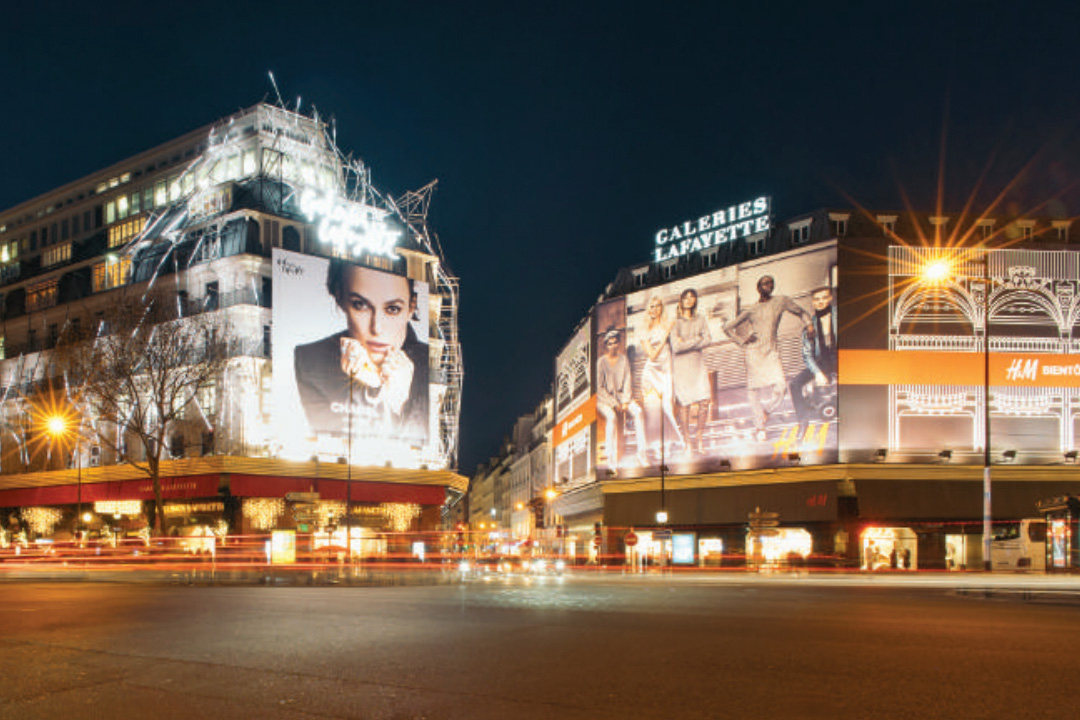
(952, 499)
(362, 491)
(192, 486)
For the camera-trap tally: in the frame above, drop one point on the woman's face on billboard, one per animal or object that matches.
(656, 308)
(378, 306)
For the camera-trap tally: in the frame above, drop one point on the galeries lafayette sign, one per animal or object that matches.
(718, 228)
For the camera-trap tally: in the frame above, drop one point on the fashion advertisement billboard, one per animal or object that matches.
(944, 339)
(573, 383)
(350, 357)
(731, 369)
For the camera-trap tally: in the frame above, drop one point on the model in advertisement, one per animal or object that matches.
(656, 380)
(811, 401)
(614, 397)
(689, 338)
(765, 381)
(377, 358)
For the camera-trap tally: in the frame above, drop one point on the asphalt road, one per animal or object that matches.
(574, 648)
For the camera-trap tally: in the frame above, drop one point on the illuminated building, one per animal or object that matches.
(695, 386)
(218, 218)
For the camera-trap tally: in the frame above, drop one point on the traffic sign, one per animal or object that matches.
(630, 539)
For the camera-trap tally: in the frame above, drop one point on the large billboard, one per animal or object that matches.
(350, 355)
(731, 369)
(947, 343)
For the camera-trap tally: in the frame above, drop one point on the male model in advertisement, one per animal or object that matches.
(614, 396)
(375, 370)
(765, 381)
(815, 401)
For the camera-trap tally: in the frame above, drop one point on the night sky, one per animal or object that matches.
(563, 135)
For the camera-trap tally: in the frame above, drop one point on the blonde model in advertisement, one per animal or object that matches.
(689, 338)
(656, 382)
(376, 369)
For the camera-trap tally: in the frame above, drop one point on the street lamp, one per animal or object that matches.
(59, 428)
(938, 272)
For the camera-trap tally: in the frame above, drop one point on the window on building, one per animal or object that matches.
(176, 445)
(161, 196)
(110, 212)
(639, 277)
(800, 232)
(54, 335)
(122, 232)
(839, 223)
(42, 295)
(33, 240)
(1028, 232)
(64, 229)
(56, 255)
(211, 299)
(75, 225)
(668, 270)
(266, 341)
(112, 273)
(756, 245)
(710, 258)
(1061, 231)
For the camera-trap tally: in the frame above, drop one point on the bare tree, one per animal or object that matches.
(133, 376)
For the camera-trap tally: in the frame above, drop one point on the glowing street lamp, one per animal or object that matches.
(937, 272)
(60, 428)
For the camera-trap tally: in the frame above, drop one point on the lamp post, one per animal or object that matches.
(936, 273)
(661, 515)
(58, 428)
(348, 479)
(988, 540)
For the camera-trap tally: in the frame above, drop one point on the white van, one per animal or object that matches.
(1020, 545)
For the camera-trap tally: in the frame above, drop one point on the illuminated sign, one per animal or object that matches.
(718, 228)
(351, 227)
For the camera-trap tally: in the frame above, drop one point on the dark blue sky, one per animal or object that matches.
(563, 135)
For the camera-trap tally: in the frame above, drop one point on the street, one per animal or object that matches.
(573, 647)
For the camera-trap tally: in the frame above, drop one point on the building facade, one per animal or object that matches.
(220, 221)
(835, 387)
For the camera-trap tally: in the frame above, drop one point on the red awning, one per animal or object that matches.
(192, 486)
(362, 491)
